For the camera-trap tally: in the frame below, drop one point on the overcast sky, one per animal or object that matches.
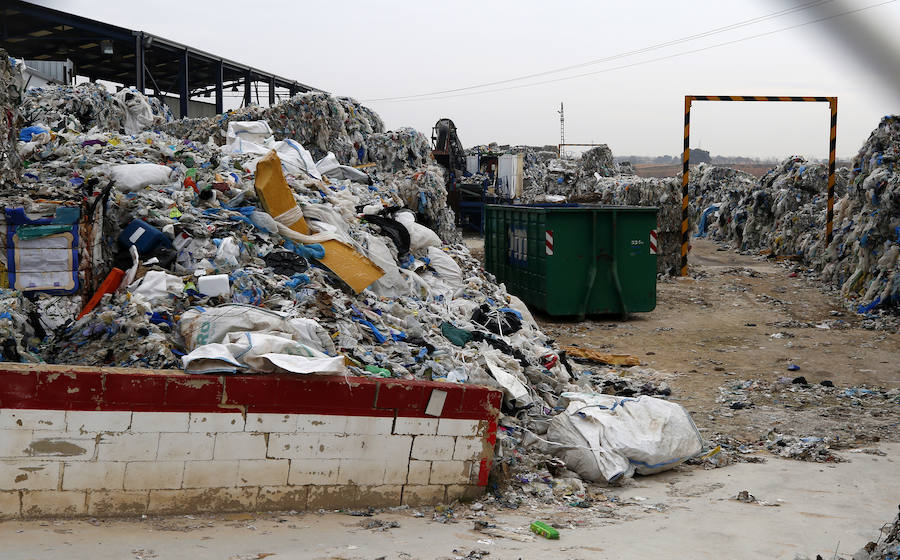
(378, 49)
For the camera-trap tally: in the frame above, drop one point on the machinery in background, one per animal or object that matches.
(476, 179)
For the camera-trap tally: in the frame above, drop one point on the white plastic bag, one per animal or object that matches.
(329, 166)
(213, 324)
(229, 251)
(247, 137)
(508, 374)
(156, 286)
(446, 268)
(262, 353)
(604, 437)
(138, 113)
(420, 237)
(135, 176)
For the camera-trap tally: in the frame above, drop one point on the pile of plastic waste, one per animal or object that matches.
(245, 251)
(87, 106)
(16, 332)
(319, 122)
(11, 78)
(344, 265)
(863, 258)
(392, 151)
(785, 214)
(599, 161)
(779, 213)
(715, 193)
(665, 194)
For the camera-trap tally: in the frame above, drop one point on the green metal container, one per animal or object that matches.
(574, 259)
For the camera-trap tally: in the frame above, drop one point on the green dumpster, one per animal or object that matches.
(574, 259)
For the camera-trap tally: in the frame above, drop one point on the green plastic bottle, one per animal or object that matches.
(544, 530)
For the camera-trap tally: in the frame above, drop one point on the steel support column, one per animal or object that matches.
(248, 77)
(271, 90)
(832, 144)
(184, 92)
(220, 71)
(139, 76)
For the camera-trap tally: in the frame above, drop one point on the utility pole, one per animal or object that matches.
(562, 128)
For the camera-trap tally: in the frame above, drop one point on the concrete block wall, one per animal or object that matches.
(110, 442)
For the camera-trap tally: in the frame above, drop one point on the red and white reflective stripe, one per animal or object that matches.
(548, 241)
(652, 241)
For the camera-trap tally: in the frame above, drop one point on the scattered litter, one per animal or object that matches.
(499, 532)
(748, 498)
(379, 525)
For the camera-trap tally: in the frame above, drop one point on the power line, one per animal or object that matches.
(640, 63)
(642, 50)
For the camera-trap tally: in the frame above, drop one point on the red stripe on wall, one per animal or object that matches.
(58, 387)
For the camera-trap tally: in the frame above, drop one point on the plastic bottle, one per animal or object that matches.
(544, 530)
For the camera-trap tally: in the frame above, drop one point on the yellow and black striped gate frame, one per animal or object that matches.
(686, 158)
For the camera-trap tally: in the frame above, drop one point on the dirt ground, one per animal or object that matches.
(716, 328)
(802, 509)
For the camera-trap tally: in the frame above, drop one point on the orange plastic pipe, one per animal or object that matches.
(110, 284)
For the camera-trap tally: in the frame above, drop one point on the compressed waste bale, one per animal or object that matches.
(78, 108)
(10, 96)
(598, 160)
(321, 122)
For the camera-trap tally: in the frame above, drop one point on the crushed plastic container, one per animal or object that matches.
(214, 285)
(143, 236)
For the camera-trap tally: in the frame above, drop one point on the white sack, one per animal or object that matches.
(295, 159)
(138, 113)
(135, 176)
(247, 137)
(420, 237)
(310, 332)
(620, 436)
(262, 353)
(329, 166)
(446, 268)
(156, 286)
(213, 324)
